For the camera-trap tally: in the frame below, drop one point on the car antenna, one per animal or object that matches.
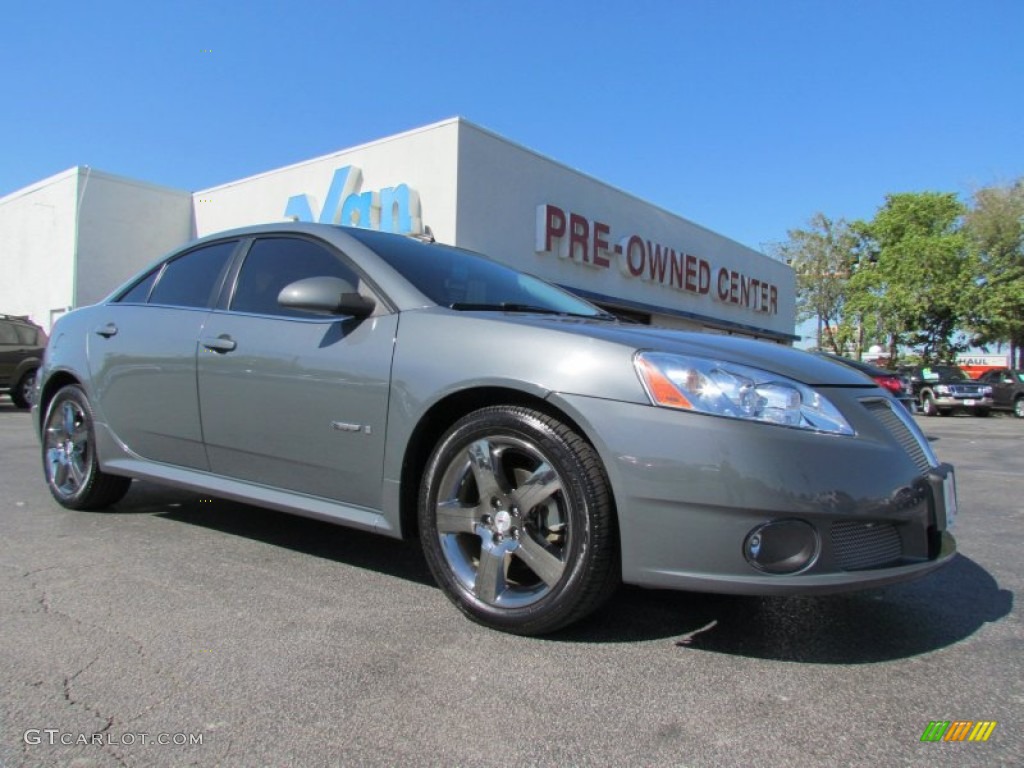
(427, 235)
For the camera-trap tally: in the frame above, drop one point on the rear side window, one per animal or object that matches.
(138, 293)
(28, 335)
(192, 279)
(274, 262)
(7, 334)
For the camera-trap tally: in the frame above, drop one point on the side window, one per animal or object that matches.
(274, 262)
(7, 334)
(27, 335)
(138, 293)
(190, 280)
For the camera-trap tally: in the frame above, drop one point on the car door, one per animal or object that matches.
(142, 355)
(10, 349)
(1002, 383)
(292, 399)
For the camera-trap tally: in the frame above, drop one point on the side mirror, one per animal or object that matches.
(326, 295)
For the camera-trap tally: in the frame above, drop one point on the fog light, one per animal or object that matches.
(783, 546)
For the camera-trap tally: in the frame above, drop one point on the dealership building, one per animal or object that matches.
(70, 239)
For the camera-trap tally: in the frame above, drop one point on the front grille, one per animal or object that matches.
(965, 390)
(859, 546)
(883, 410)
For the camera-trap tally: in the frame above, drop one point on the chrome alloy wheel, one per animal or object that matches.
(502, 521)
(67, 448)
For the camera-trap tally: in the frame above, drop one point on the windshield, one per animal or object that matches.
(464, 280)
(946, 372)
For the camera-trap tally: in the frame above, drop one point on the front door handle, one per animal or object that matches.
(107, 330)
(221, 344)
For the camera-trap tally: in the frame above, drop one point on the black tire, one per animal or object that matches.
(928, 407)
(526, 541)
(1018, 407)
(22, 392)
(70, 465)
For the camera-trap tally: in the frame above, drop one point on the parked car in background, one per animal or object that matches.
(1007, 389)
(942, 389)
(892, 381)
(541, 451)
(21, 352)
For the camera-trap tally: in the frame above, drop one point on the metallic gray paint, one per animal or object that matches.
(255, 423)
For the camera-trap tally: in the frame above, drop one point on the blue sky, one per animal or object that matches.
(745, 117)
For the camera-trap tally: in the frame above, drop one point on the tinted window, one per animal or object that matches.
(28, 335)
(274, 262)
(140, 291)
(190, 280)
(7, 334)
(461, 279)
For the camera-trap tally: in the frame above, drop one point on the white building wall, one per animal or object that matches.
(71, 239)
(424, 160)
(502, 185)
(37, 248)
(123, 225)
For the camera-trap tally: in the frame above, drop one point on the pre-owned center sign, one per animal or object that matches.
(589, 242)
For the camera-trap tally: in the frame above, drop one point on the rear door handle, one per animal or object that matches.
(222, 343)
(107, 330)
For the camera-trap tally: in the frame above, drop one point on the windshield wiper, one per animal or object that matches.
(505, 306)
(511, 306)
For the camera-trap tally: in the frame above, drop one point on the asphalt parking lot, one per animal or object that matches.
(244, 637)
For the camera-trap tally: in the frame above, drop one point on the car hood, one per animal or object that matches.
(793, 363)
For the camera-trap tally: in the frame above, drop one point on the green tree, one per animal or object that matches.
(822, 257)
(917, 283)
(995, 225)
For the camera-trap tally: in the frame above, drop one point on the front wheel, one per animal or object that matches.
(1018, 407)
(928, 406)
(517, 521)
(72, 470)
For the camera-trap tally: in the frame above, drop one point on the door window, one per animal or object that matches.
(274, 262)
(192, 280)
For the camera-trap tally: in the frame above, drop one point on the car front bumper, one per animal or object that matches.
(969, 403)
(692, 490)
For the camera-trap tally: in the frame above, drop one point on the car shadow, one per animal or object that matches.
(884, 624)
(371, 551)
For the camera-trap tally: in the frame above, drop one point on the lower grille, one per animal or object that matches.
(859, 546)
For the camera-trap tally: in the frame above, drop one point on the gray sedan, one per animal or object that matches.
(541, 450)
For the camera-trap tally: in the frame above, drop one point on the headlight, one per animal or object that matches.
(735, 391)
(941, 389)
(986, 391)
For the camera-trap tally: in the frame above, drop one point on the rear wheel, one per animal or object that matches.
(23, 392)
(517, 521)
(1018, 407)
(72, 470)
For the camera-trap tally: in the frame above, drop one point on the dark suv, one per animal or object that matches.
(21, 351)
(1007, 389)
(941, 389)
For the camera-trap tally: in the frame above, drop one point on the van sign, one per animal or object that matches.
(392, 209)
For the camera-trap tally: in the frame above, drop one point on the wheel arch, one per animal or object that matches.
(445, 412)
(53, 384)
